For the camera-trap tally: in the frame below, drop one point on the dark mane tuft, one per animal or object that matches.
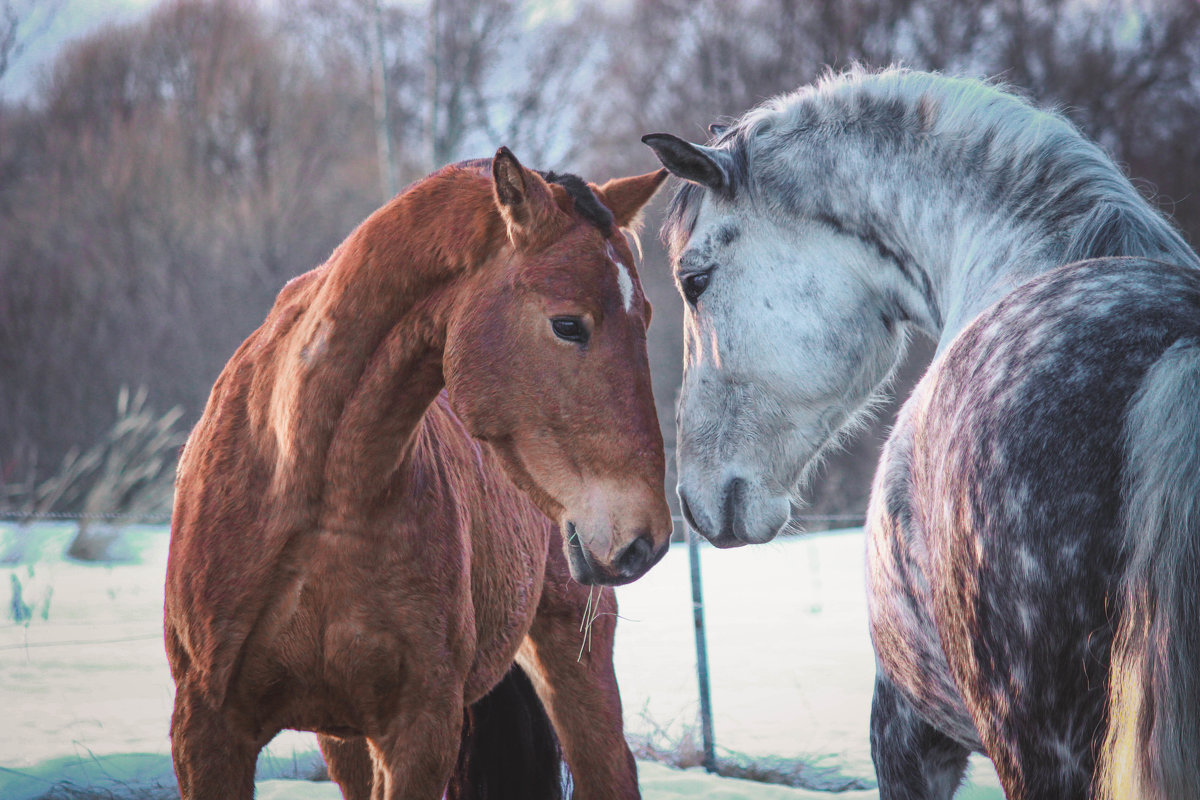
(586, 202)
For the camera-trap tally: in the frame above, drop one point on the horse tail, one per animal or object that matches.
(1153, 736)
(508, 748)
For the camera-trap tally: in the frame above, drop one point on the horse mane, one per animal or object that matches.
(587, 205)
(1037, 163)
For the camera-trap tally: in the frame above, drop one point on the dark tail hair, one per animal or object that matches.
(1154, 681)
(509, 749)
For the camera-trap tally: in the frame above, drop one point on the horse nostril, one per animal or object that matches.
(735, 492)
(686, 508)
(635, 558)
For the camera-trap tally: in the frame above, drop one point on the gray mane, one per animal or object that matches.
(1034, 164)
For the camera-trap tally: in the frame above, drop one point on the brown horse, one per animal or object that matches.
(357, 547)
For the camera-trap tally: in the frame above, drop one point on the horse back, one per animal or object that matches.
(996, 533)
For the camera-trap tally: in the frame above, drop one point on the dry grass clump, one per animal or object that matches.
(685, 751)
(133, 474)
(128, 475)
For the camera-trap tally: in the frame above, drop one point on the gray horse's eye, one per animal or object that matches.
(694, 285)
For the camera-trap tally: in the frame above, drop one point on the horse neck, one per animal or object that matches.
(366, 355)
(960, 230)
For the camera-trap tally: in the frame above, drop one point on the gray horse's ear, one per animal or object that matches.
(706, 166)
(716, 129)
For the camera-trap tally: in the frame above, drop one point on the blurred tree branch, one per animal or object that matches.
(21, 23)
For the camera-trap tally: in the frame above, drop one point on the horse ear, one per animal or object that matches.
(522, 196)
(626, 197)
(716, 129)
(706, 166)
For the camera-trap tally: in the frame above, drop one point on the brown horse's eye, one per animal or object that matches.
(694, 286)
(570, 329)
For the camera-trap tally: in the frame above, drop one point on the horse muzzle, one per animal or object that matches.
(631, 561)
(740, 513)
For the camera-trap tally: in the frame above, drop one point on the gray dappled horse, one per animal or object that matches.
(1034, 526)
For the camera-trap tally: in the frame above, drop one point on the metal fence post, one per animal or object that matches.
(706, 722)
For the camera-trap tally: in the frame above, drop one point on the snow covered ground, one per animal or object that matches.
(85, 695)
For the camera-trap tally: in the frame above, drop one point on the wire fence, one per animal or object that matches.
(849, 520)
(704, 689)
(68, 516)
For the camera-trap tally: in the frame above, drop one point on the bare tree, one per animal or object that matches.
(173, 172)
(463, 42)
(177, 172)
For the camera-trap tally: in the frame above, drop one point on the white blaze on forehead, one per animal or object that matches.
(624, 281)
(626, 284)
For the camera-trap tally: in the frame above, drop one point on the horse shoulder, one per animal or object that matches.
(225, 544)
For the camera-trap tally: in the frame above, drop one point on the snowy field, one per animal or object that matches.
(85, 695)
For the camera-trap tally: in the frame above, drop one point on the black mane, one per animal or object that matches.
(586, 202)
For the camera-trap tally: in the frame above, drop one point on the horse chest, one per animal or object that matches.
(506, 585)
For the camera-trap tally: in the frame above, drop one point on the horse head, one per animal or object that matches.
(546, 361)
(787, 340)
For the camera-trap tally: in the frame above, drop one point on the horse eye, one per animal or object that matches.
(694, 286)
(570, 328)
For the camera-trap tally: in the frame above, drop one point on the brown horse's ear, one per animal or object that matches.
(626, 197)
(522, 196)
